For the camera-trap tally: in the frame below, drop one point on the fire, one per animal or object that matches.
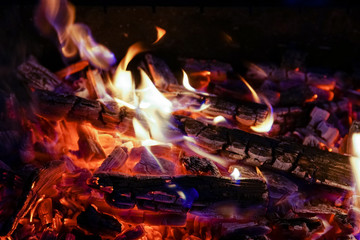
(355, 160)
(160, 34)
(75, 38)
(269, 120)
(187, 85)
(235, 174)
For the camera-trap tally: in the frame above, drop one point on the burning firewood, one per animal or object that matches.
(199, 194)
(63, 106)
(98, 223)
(115, 160)
(305, 162)
(200, 166)
(38, 76)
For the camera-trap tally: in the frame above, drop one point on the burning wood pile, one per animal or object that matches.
(103, 152)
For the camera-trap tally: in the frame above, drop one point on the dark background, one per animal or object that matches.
(320, 34)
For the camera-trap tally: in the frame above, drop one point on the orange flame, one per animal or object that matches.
(269, 120)
(160, 34)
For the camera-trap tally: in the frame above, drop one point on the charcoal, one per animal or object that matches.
(200, 166)
(39, 182)
(81, 235)
(279, 185)
(243, 233)
(48, 234)
(45, 212)
(132, 233)
(14, 190)
(98, 223)
(297, 228)
(148, 164)
(160, 71)
(89, 146)
(115, 160)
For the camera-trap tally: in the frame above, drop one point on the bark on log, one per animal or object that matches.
(56, 107)
(199, 194)
(306, 162)
(38, 76)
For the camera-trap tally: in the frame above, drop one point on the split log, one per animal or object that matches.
(306, 162)
(197, 194)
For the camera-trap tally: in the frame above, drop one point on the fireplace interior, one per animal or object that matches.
(179, 120)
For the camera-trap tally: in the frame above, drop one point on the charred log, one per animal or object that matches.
(197, 194)
(308, 163)
(55, 106)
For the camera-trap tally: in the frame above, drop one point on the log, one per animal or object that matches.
(37, 76)
(198, 194)
(55, 106)
(312, 164)
(115, 160)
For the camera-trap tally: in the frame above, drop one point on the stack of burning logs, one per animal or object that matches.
(294, 182)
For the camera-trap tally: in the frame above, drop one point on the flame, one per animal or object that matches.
(187, 85)
(269, 120)
(254, 94)
(355, 160)
(124, 86)
(75, 37)
(219, 119)
(186, 82)
(235, 174)
(160, 34)
(191, 144)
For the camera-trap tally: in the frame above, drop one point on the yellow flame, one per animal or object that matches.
(355, 160)
(235, 174)
(186, 82)
(219, 119)
(133, 50)
(191, 144)
(187, 85)
(75, 37)
(254, 94)
(160, 33)
(268, 122)
(155, 108)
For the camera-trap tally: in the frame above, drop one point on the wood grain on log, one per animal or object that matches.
(56, 106)
(38, 76)
(305, 162)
